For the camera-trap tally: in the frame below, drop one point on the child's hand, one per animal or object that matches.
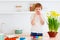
(33, 22)
(38, 13)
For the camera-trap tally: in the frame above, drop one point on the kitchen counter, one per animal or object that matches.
(45, 37)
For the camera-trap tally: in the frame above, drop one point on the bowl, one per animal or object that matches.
(18, 31)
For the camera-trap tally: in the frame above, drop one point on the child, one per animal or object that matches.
(37, 22)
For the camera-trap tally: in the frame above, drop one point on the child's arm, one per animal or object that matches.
(41, 19)
(33, 19)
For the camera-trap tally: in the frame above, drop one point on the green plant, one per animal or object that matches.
(53, 22)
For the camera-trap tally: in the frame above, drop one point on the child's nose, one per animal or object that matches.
(38, 11)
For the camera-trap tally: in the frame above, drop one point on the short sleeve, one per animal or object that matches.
(32, 16)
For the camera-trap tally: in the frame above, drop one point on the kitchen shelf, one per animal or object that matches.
(29, 0)
(12, 13)
(20, 0)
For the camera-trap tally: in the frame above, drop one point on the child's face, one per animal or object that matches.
(38, 10)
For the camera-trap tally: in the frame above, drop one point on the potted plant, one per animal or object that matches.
(53, 23)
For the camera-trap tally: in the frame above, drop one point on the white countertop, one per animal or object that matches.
(45, 37)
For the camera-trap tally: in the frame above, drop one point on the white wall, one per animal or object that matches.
(9, 23)
(10, 20)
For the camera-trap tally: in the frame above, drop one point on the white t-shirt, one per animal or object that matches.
(38, 28)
